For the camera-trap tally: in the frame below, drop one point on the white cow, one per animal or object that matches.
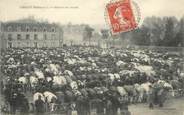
(23, 80)
(53, 68)
(122, 91)
(49, 96)
(111, 76)
(141, 91)
(146, 86)
(119, 63)
(48, 79)
(146, 69)
(39, 74)
(33, 81)
(36, 95)
(74, 85)
(59, 80)
(117, 76)
(68, 72)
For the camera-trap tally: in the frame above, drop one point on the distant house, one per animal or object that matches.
(31, 33)
(73, 33)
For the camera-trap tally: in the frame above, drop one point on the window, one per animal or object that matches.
(18, 37)
(10, 45)
(52, 44)
(27, 44)
(44, 30)
(35, 29)
(18, 44)
(44, 44)
(9, 28)
(19, 28)
(27, 29)
(53, 36)
(35, 44)
(10, 37)
(45, 36)
(35, 37)
(53, 30)
(27, 36)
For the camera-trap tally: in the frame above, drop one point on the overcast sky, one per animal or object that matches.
(82, 11)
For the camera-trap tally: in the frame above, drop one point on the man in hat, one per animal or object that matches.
(151, 97)
(115, 103)
(39, 104)
(99, 106)
(25, 106)
(109, 110)
(79, 105)
(13, 103)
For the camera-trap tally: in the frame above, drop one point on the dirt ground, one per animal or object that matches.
(171, 107)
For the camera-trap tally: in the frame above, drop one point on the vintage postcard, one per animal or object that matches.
(91, 57)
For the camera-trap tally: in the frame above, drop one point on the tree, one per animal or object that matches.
(169, 32)
(156, 29)
(141, 36)
(105, 33)
(179, 39)
(88, 32)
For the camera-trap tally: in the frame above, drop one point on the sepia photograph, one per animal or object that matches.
(91, 57)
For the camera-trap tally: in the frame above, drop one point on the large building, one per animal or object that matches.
(31, 33)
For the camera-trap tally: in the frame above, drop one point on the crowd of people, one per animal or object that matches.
(87, 79)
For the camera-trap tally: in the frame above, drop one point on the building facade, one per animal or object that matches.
(30, 33)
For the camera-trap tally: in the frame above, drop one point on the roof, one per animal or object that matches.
(31, 24)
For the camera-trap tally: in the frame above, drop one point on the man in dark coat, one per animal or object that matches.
(115, 103)
(124, 106)
(109, 110)
(39, 105)
(24, 106)
(99, 106)
(13, 103)
(79, 104)
(151, 97)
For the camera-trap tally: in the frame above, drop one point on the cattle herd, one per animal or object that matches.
(88, 79)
